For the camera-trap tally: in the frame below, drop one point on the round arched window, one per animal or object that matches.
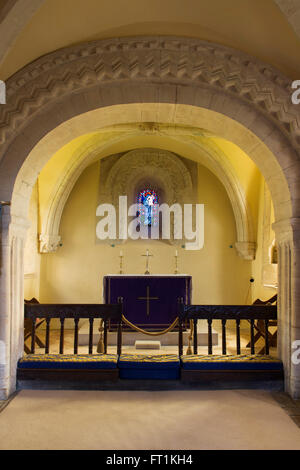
(148, 207)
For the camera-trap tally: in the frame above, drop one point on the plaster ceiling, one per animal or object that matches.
(256, 27)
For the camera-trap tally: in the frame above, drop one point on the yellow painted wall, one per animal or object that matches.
(75, 272)
(55, 167)
(247, 173)
(59, 168)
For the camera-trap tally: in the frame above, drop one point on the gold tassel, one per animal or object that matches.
(190, 337)
(100, 346)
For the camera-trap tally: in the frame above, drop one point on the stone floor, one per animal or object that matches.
(4, 403)
(290, 406)
(252, 419)
(189, 419)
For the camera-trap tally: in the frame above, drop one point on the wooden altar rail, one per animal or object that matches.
(106, 312)
(251, 313)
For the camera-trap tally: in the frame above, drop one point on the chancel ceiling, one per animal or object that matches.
(250, 26)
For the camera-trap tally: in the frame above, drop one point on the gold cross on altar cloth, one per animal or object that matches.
(148, 298)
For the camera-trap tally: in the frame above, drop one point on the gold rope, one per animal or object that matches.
(150, 333)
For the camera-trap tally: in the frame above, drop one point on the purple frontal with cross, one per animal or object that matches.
(149, 300)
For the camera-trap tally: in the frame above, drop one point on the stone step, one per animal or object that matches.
(130, 337)
(147, 344)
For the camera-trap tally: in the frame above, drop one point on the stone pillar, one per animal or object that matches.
(288, 242)
(13, 234)
(4, 302)
(284, 306)
(294, 383)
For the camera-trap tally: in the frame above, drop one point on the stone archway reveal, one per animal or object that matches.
(162, 70)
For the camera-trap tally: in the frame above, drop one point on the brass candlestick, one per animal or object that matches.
(176, 263)
(121, 263)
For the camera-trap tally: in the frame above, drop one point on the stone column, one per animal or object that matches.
(13, 234)
(284, 306)
(294, 383)
(284, 237)
(4, 302)
(288, 242)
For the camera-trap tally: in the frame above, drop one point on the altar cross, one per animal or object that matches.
(147, 261)
(148, 298)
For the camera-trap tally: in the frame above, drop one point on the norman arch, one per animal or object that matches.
(166, 80)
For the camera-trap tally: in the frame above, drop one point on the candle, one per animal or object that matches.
(121, 253)
(176, 253)
(147, 253)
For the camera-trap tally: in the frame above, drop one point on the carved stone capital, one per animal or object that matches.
(246, 250)
(49, 243)
(283, 230)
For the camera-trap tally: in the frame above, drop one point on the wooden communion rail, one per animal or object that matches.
(36, 312)
(252, 313)
(256, 314)
(99, 368)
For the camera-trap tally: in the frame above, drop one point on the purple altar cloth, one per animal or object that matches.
(149, 300)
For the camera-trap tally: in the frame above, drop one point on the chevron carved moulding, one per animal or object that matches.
(147, 60)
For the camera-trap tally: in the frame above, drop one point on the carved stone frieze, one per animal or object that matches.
(180, 61)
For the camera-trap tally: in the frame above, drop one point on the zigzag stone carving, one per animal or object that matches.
(148, 59)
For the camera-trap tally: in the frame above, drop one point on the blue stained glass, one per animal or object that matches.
(148, 207)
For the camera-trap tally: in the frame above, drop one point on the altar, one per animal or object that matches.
(149, 301)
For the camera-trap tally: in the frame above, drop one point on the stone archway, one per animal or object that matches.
(173, 74)
(89, 151)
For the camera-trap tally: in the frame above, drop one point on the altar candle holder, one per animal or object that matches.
(147, 261)
(121, 262)
(176, 263)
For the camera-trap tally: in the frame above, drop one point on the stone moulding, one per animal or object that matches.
(147, 59)
(160, 161)
(246, 250)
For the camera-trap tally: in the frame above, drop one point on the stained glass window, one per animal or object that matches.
(148, 207)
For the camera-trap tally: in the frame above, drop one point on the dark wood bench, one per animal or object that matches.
(259, 326)
(230, 368)
(68, 367)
